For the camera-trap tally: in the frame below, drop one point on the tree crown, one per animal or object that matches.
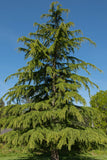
(51, 81)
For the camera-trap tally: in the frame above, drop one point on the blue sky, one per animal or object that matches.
(17, 18)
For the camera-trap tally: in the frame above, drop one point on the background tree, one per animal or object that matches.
(99, 101)
(51, 80)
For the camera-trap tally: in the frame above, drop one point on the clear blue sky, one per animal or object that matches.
(17, 18)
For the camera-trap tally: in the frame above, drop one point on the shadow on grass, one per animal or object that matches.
(64, 157)
(78, 157)
(34, 157)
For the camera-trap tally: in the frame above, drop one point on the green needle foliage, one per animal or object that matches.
(2, 104)
(51, 82)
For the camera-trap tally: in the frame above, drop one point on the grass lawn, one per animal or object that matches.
(6, 154)
(93, 155)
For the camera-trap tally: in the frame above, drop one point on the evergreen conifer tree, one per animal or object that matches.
(50, 79)
(2, 104)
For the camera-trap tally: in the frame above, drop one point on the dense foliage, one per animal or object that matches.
(99, 101)
(2, 104)
(51, 81)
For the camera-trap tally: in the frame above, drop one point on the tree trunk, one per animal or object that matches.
(54, 155)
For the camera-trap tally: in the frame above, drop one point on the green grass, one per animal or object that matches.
(89, 156)
(10, 154)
